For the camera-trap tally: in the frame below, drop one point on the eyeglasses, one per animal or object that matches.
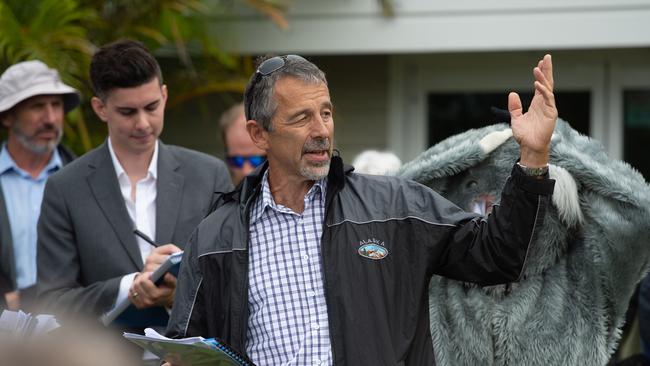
(237, 161)
(266, 68)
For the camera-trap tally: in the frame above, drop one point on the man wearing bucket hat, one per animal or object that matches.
(33, 101)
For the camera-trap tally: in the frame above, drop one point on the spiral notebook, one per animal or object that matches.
(189, 351)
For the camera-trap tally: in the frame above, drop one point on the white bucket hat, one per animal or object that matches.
(30, 78)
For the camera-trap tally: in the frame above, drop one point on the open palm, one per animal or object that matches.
(533, 129)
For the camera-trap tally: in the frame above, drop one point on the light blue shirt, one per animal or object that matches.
(23, 195)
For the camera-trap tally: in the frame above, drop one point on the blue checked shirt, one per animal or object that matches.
(288, 315)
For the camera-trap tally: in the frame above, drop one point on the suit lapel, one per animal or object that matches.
(106, 189)
(169, 194)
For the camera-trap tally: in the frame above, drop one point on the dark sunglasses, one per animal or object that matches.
(267, 67)
(237, 161)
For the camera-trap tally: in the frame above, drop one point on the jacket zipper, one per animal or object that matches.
(244, 317)
(328, 206)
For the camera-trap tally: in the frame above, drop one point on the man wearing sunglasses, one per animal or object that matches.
(242, 156)
(310, 263)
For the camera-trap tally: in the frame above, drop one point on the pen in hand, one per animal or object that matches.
(145, 237)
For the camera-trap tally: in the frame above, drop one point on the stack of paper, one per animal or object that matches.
(195, 351)
(19, 323)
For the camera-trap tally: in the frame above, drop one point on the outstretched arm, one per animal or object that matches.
(533, 129)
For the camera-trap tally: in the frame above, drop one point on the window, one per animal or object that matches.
(636, 130)
(453, 113)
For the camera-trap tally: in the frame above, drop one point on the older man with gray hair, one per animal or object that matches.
(33, 101)
(308, 262)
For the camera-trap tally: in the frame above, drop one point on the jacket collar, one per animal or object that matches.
(251, 185)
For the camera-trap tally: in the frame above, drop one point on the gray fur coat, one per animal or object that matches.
(580, 271)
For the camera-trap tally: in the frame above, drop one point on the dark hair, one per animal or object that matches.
(122, 64)
(259, 94)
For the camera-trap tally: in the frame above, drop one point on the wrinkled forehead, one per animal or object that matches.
(290, 91)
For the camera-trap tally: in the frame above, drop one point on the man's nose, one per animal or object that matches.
(141, 121)
(247, 168)
(319, 127)
(52, 113)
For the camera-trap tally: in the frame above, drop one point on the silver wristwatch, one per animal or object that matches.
(534, 172)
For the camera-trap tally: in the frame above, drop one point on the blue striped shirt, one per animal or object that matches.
(288, 322)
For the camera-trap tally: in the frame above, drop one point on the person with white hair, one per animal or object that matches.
(375, 162)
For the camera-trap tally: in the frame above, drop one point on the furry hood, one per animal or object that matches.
(476, 163)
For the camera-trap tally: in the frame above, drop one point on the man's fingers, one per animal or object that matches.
(549, 98)
(547, 68)
(540, 76)
(159, 255)
(167, 249)
(169, 280)
(144, 293)
(514, 105)
(12, 299)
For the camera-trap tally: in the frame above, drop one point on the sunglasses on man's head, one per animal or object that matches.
(267, 67)
(237, 161)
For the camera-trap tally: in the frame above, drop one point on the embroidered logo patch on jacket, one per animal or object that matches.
(372, 249)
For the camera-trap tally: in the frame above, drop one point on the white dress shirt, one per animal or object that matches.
(142, 210)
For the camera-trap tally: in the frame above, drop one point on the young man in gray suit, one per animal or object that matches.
(99, 213)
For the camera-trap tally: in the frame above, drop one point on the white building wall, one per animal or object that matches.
(381, 69)
(421, 26)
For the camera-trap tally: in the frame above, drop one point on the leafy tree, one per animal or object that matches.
(65, 33)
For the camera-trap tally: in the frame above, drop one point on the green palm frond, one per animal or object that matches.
(10, 36)
(53, 31)
(65, 33)
(49, 30)
(274, 9)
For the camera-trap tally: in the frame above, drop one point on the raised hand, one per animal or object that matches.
(533, 129)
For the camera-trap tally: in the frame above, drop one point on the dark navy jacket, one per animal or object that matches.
(377, 308)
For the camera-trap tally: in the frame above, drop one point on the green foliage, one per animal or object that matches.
(65, 33)
(53, 31)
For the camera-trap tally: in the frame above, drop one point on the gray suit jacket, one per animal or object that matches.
(85, 236)
(7, 265)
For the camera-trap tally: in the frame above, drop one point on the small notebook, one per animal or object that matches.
(193, 351)
(127, 315)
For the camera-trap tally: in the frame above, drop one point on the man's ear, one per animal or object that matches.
(258, 134)
(163, 90)
(99, 107)
(6, 118)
